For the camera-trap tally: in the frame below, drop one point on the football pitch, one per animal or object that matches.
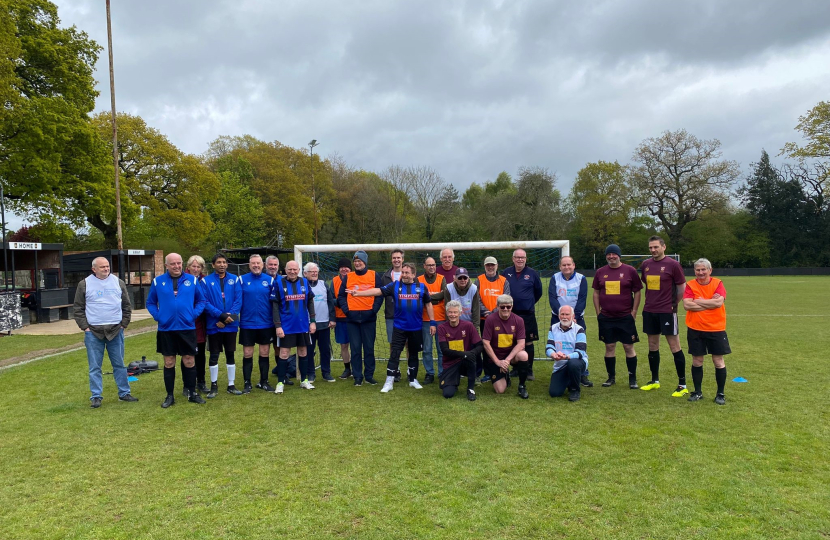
(346, 462)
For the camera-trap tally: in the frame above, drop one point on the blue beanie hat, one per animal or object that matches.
(613, 248)
(362, 256)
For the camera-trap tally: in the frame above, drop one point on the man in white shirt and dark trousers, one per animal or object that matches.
(103, 310)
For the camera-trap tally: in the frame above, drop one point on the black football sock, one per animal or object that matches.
(263, 368)
(302, 362)
(282, 369)
(654, 364)
(531, 352)
(170, 380)
(247, 368)
(631, 363)
(200, 367)
(720, 377)
(189, 378)
(611, 366)
(521, 367)
(680, 366)
(697, 377)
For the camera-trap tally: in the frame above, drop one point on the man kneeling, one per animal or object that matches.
(504, 345)
(567, 347)
(460, 346)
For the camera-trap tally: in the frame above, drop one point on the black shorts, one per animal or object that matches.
(248, 337)
(176, 343)
(703, 343)
(294, 340)
(492, 370)
(617, 329)
(655, 324)
(451, 376)
(531, 326)
(222, 341)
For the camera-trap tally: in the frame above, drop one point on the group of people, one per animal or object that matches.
(480, 329)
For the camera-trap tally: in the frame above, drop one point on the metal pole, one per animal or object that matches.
(311, 145)
(5, 259)
(114, 135)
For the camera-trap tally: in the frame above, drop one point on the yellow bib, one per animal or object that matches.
(653, 283)
(457, 345)
(612, 287)
(505, 340)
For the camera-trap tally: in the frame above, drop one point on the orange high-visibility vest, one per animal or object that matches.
(437, 309)
(710, 320)
(360, 283)
(335, 283)
(489, 291)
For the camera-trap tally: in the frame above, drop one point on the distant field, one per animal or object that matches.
(345, 462)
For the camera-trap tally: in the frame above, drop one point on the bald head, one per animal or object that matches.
(101, 267)
(173, 264)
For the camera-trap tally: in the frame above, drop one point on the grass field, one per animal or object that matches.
(345, 462)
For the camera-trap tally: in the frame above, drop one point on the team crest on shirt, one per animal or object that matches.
(264, 283)
(497, 329)
(163, 283)
(187, 284)
(649, 268)
(512, 328)
(447, 335)
(605, 276)
(662, 268)
(463, 333)
(230, 282)
(527, 277)
(622, 275)
(302, 289)
(99, 294)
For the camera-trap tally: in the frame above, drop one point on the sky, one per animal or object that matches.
(468, 88)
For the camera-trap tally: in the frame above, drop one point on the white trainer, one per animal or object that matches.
(415, 384)
(280, 388)
(388, 385)
(307, 385)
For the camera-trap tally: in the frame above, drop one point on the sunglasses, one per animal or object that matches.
(506, 307)
(462, 278)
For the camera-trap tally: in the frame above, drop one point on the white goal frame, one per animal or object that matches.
(563, 245)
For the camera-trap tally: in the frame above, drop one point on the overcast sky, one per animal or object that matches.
(468, 88)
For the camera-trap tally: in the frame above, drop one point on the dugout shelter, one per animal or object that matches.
(137, 267)
(34, 272)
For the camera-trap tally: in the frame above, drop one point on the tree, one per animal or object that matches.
(815, 127)
(172, 186)
(679, 176)
(538, 216)
(237, 214)
(50, 156)
(429, 196)
(603, 202)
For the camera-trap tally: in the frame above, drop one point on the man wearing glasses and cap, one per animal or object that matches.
(361, 314)
(504, 346)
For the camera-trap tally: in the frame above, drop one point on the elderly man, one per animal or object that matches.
(256, 322)
(447, 269)
(464, 291)
(434, 283)
(526, 290)
(504, 346)
(490, 285)
(272, 268)
(665, 283)
(569, 288)
(616, 298)
(103, 310)
(175, 300)
(410, 298)
(361, 314)
(324, 318)
(341, 329)
(461, 347)
(568, 348)
(294, 320)
(223, 300)
(704, 299)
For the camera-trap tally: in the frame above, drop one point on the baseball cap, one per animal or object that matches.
(491, 260)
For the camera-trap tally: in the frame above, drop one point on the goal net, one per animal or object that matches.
(542, 256)
(637, 260)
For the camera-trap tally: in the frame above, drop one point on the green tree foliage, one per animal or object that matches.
(173, 187)
(238, 217)
(603, 203)
(538, 215)
(815, 128)
(727, 238)
(50, 156)
(679, 177)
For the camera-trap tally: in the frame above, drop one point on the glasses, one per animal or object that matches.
(520, 258)
(462, 278)
(506, 307)
(429, 265)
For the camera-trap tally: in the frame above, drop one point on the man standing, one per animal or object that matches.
(256, 322)
(504, 345)
(393, 274)
(665, 283)
(616, 299)
(323, 312)
(569, 288)
(447, 268)
(361, 313)
(272, 268)
(174, 301)
(293, 313)
(490, 285)
(341, 329)
(704, 299)
(461, 347)
(568, 348)
(463, 290)
(434, 283)
(410, 298)
(526, 290)
(223, 301)
(103, 310)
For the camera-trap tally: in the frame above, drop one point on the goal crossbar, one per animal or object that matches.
(563, 245)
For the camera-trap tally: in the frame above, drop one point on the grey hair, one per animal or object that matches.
(504, 299)
(566, 307)
(705, 262)
(310, 266)
(196, 258)
(254, 256)
(454, 304)
(272, 258)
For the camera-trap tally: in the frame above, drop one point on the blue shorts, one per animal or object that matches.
(341, 332)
